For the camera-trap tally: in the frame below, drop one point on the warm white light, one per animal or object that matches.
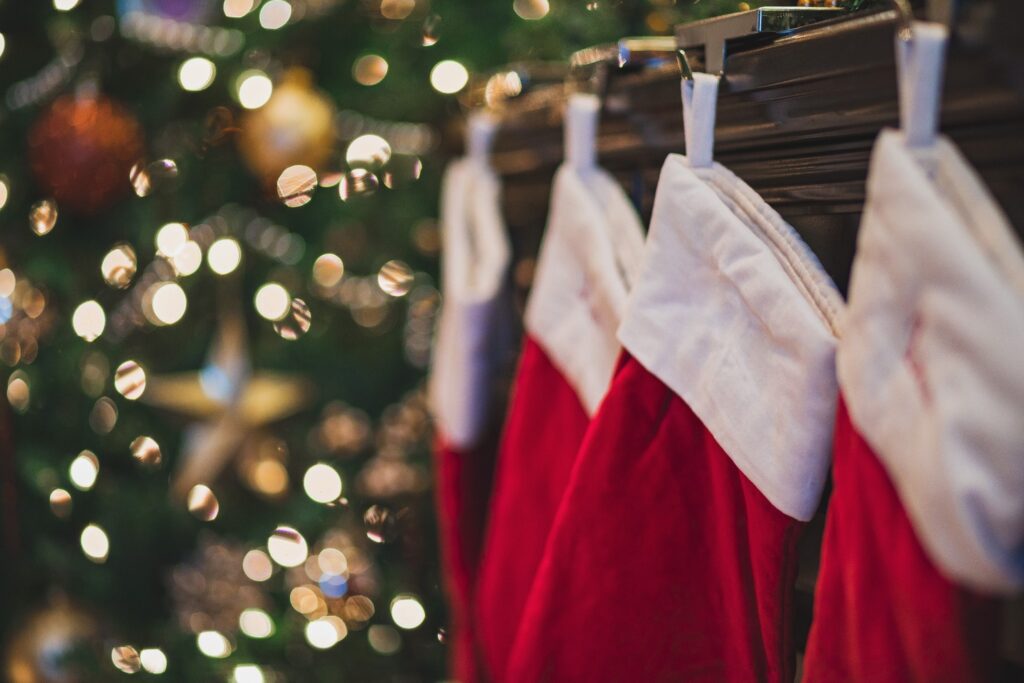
(370, 69)
(273, 301)
(256, 565)
(83, 470)
(448, 77)
(213, 644)
(153, 660)
(65, 5)
(531, 10)
(233, 9)
(196, 73)
(407, 612)
(368, 150)
(5, 191)
(169, 303)
(224, 255)
(170, 238)
(287, 547)
(88, 320)
(325, 632)
(188, 259)
(8, 281)
(275, 14)
(254, 89)
(322, 483)
(256, 623)
(247, 673)
(3, 45)
(95, 543)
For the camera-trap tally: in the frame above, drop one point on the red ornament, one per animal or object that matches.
(81, 150)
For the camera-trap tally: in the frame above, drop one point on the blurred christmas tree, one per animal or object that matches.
(217, 296)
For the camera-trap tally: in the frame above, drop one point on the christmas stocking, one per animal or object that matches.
(926, 521)
(672, 556)
(591, 249)
(468, 347)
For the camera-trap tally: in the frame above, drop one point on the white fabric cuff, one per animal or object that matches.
(931, 366)
(735, 315)
(474, 266)
(589, 256)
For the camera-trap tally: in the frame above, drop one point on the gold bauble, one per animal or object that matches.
(49, 642)
(296, 126)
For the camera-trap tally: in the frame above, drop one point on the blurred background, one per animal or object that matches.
(218, 286)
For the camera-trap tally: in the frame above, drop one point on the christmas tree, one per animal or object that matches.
(217, 296)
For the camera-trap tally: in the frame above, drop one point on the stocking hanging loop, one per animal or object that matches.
(700, 103)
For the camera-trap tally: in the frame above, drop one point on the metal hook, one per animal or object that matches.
(685, 72)
(939, 11)
(904, 19)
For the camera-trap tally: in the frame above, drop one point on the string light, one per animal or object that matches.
(254, 89)
(449, 77)
(272, 301)
(247, 673)
(224, 255)
(407, 612)
(88, 320)
(153, 660)
(275, 14)
(322, 483)
(255, 623)
(196, 73)
(213, 644)
(235, 9)
(95, 543)
(83, 470)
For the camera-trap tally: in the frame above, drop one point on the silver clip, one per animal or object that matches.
(938, 11)
(713, 34)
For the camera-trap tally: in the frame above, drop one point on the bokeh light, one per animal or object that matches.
(322, 483)
(42, 217)
(130, 380)
(88, 320)
(213, 644)
(146, 451)
(153, 660)
(119, 265)
(531, 10)
(256, 623)
(370, 70)
(449, 77)
(272, 301)
(196, 73)
(95, 543)
(202, 503)
(224, 255)
(247, 673)
(368, 151)
(296, 184)
(254, 89)
(325, 632)
(83, 470)
(126, 658)
(274, 14)
(407, 612)
(234, 9)
(257, 566)
(165, 303)
(287, 547)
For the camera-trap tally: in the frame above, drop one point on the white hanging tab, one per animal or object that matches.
(581, 115)
(700, 103)
(480, 131)
(920, 63)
